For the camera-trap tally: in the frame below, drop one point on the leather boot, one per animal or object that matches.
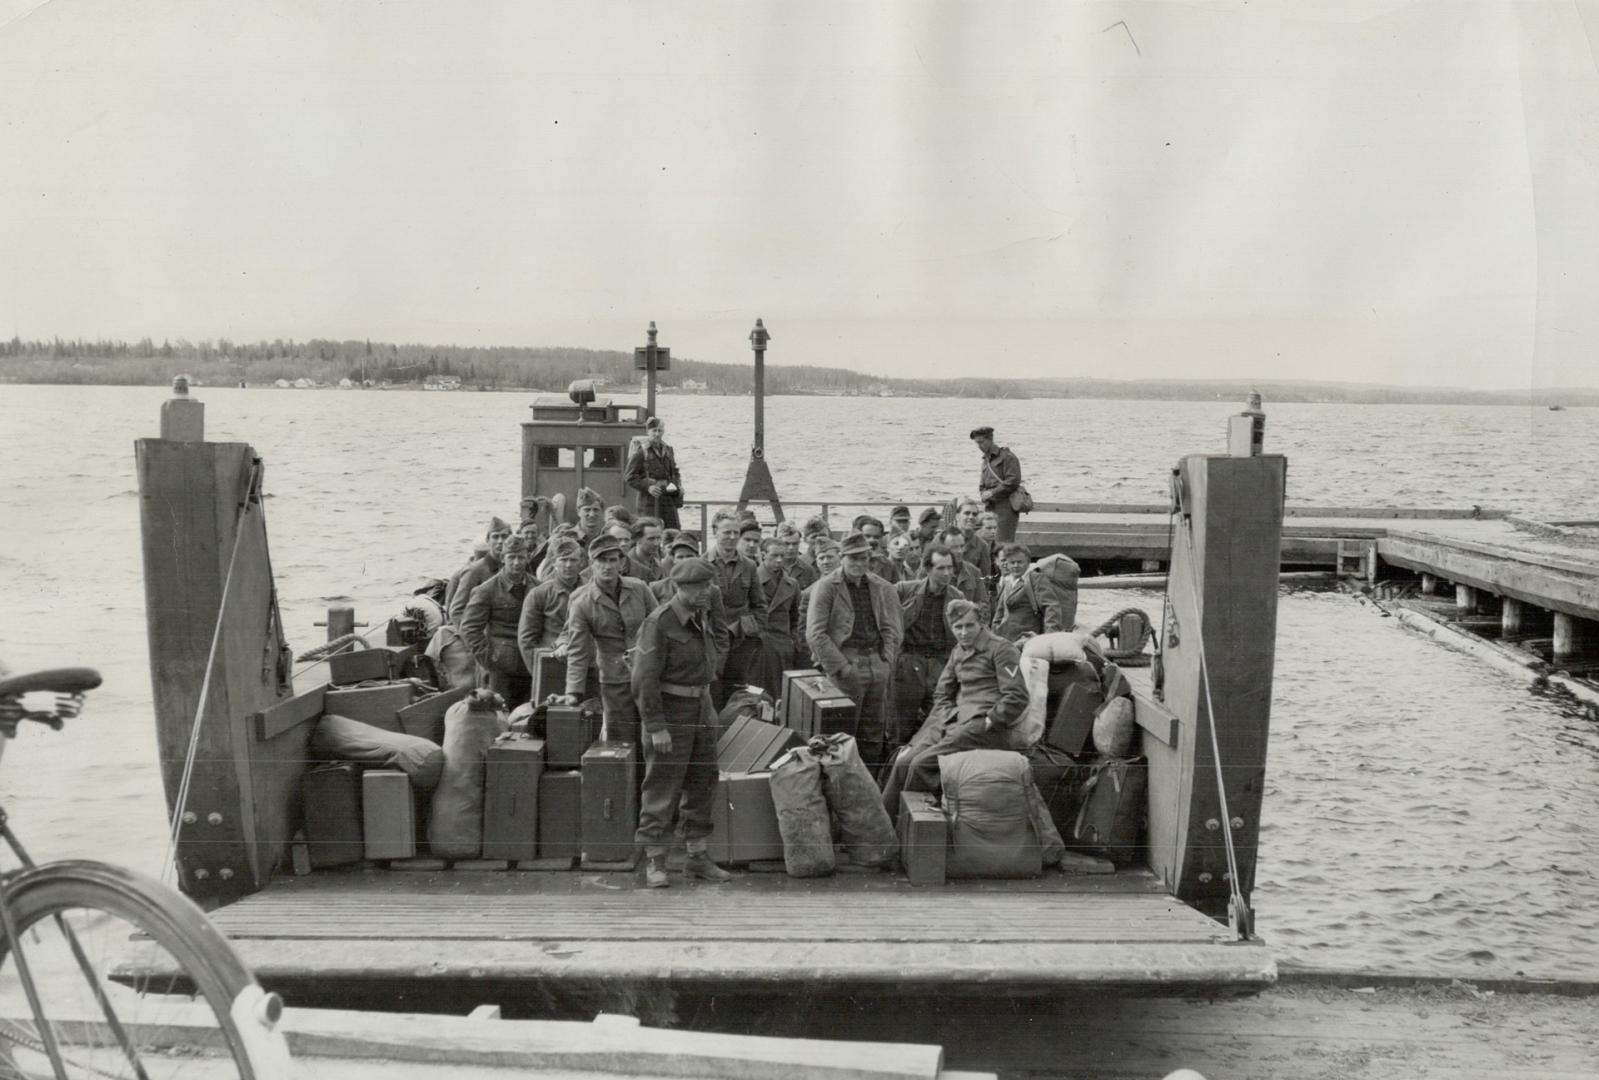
(699, 865)
(655, 872)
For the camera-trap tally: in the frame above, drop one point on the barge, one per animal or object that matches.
(235, 717)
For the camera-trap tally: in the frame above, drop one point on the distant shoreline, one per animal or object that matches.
(1565, 400)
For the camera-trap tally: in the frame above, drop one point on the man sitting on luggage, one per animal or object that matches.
(854, 628)
(489, 625)
(674, 666)
(928, 641)
(980, 698)
(602, 624)
(1024, 603)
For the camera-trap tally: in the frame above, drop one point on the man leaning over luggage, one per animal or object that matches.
(489, 625)
(542, 625)
(854, 629)
(602, 625)
(999, 477)
(980, 699)
(928, 641)
(673, 669)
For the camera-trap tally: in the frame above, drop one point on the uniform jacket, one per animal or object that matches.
(671, 651)
(803, 573)
(543, 621)
(643, 569)
(980, 553)
(471, 578)
(832, 616)
(666, 588)
(1027, 605)
(648, 465)
(600, 631)
(489, 625)
(974, 587)
(1000, 474)
(782, 624)
(984, 680)
(913, 594)
(740, 582)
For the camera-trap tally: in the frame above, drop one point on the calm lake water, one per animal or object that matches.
(1423, 815)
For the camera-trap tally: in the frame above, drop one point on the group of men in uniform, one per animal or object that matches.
(917, 626)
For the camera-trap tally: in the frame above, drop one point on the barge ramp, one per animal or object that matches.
(591, 939)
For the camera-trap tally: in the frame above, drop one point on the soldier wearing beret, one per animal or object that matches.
(675, 665)
(489, 625)
(602, 625)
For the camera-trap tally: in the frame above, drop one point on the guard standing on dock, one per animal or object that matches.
(855, 628)
(998, 481)
(489, 625)
(652, 472)
(602, 625)
(676, 663)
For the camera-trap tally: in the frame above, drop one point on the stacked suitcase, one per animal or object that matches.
(812, 705)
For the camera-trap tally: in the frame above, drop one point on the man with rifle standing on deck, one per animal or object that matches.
(652, 472)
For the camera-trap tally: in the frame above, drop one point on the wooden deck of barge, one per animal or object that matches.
(506, 934)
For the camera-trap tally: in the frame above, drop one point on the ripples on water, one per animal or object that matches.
(1423, 813)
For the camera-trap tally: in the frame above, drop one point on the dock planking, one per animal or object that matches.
(854, 931)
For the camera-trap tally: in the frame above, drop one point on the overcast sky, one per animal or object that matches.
(1362, 191)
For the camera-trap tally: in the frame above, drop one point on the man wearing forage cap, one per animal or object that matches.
(854, 628)
(674, 666)
(489, 625)
(590, 518)
(602, 624)
(476, 573)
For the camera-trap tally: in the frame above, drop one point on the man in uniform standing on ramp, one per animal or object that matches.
(999, 479)
(672, 674)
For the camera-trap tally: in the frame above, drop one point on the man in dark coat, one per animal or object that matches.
(739, 581)
(781, 626)
(489, 625)
(644, 552)
(652, 472)
(972, 582)
(928, 641)
(998, 479)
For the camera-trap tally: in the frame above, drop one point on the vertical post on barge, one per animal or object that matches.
(650, 359)
(758, 486)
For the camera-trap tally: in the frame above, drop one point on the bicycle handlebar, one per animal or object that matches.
(71, 680)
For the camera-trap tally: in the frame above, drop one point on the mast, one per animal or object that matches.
(758, 485)
(650, 359)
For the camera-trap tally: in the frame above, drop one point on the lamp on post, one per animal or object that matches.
(758, 486)
(650, 359)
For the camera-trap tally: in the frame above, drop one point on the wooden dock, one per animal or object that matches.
(512, 935)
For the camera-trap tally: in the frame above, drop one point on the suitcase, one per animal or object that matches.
(569, 730)
(752, 832)
(512, 770)
(332, 795)
(425, 718)
(820, 708)
(1071, 725)
(549, 675)
(381, 663)
(376, 705)
(787, 699)
(923, 838)
(610, 801)
(560, 814)
(751, 746)
(388, 814)
(1112, 811)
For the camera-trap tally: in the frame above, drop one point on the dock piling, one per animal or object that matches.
(1565, 644)
(1511, 617)
(1465, 599)
(1429, 585)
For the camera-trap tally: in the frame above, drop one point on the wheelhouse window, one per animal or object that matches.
(557, 457)
(602, 457)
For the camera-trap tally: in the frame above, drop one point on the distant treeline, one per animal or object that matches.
(224, 362)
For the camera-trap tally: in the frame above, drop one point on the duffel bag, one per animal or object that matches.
(1112, 811)
(802, 818)
(991, 833)
(338, 738)
(456, 668)
(455, 824)
(1059, 779)
(865, 829)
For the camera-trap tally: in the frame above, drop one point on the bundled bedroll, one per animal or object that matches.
(998, 824)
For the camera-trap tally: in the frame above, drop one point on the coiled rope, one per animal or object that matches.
(327, 649)
(1126, 654)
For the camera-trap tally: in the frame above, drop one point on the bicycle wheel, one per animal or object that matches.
(164, 995)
